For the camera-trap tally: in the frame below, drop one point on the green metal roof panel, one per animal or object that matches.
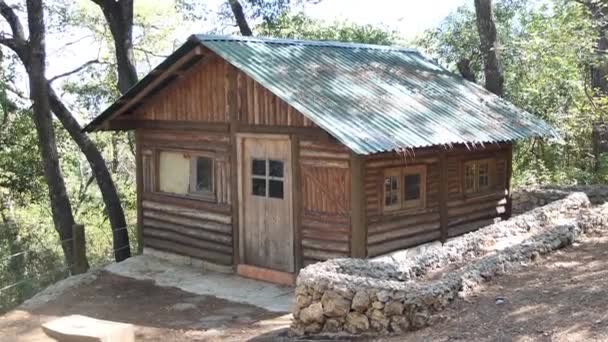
(376, 98)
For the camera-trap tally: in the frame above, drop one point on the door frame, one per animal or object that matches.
(264, 273)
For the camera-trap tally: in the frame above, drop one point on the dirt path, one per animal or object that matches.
(159, 313)
(564, 297)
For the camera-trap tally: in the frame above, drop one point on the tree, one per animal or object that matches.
(34, 51)
(119, 16)
(21, 46)
(299, 26)
(239, 16)
(489, 47)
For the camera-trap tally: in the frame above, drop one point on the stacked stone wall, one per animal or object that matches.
(392, 294)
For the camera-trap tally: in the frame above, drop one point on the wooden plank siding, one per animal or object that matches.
(184, 224)
(469, 212)
(390, 231)
(325, 217)
(394, 230)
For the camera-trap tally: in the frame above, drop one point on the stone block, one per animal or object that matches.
(77, 328)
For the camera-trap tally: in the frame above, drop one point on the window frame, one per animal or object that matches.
(208, 196)
(267, 177)
(193, 171)
(404, 204)
(491, 175)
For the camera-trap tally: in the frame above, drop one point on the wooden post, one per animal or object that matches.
(80, 249)
(358, 219)
(233, 115)
(509, 206)
(443, 195)
(140, 189)
(297, 202)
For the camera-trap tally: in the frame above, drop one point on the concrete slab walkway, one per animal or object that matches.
(271, 297)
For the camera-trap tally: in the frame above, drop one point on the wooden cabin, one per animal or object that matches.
(266, 155)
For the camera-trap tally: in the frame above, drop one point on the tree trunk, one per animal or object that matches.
(119, 16)
(489, 47)
(102, 175)
(60, 203)
(239, 16)
(464, 67)
(114, 210)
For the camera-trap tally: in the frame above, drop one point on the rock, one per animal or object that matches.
(378, 305)
(303, 301)
(313, 328)
(399, 324)
(356, 323)
(313, 313)
(332, 325)
(361, 301)
(393, 308)
(420, 319)
(335, 305)
(301, 290)
(379, 321)
(383, 296)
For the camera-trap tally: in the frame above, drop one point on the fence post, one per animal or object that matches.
(80, 249)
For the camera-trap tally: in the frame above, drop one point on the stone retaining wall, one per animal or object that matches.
(528, 199)
(391, 295)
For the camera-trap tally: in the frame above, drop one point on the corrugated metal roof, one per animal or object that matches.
(377, 98)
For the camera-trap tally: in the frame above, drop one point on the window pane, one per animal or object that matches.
(469, 177)
(275, 189)
(484, 179)
(387, 184)
(394, 183)
(174, 172)
(258, 167)
(204, 174)
(276, 168)
(258, 187)
(412, 187)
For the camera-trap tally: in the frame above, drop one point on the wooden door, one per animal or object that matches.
(266, 227)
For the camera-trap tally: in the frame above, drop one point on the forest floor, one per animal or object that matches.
(563, 297)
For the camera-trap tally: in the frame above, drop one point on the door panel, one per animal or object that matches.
(267, 224)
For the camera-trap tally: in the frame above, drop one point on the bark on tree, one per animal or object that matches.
(239, 16)
(115, 212)
(60, 203)
(119, 16)
(489, 47)
(464, 67)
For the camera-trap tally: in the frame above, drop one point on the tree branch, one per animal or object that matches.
(80, 68)
(13, 20)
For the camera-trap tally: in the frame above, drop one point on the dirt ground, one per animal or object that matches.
(563, 297)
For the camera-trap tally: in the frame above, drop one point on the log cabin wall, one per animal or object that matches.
(469, 212)
(393, 230)
(186, 224)
(389, 231)
(325, 191)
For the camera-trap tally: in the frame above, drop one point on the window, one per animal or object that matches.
(185, 173)
(477, 175)
(147, 171)
(405, 188)
(267, 178)
(202, 175)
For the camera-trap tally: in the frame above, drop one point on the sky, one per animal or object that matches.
(408, 17)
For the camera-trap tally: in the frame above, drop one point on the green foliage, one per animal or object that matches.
(545, 50)
(299, 26)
